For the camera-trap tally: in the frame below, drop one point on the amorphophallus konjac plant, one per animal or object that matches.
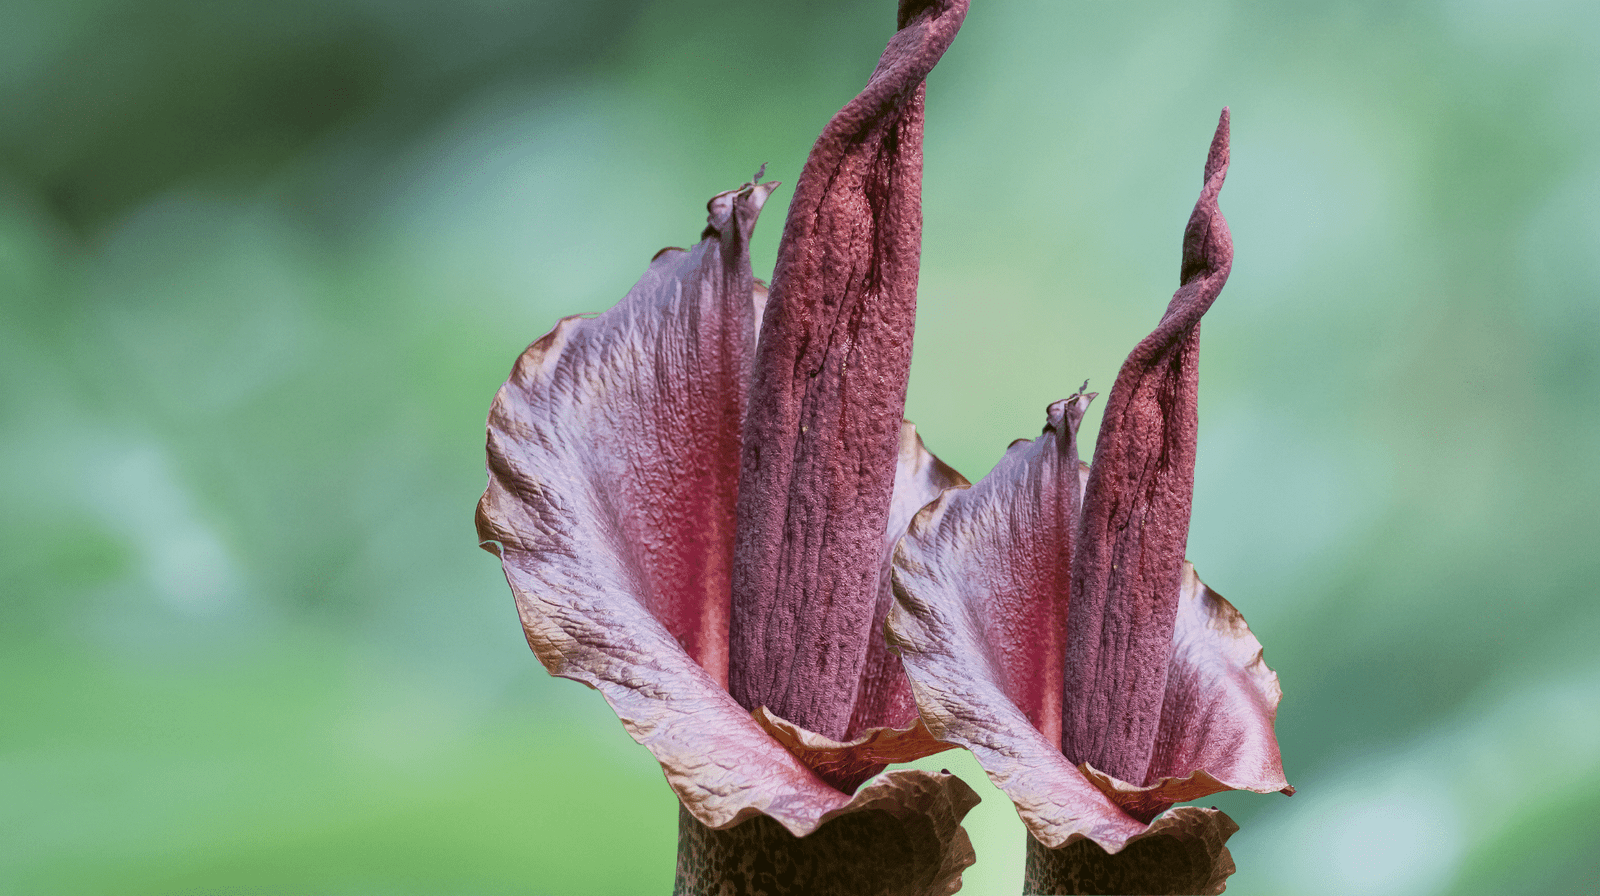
(1050, 624)
(698, 522)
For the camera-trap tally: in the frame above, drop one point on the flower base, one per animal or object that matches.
(1183, 858)
(902, 837)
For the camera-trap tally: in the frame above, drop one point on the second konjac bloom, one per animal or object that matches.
(1049, 622)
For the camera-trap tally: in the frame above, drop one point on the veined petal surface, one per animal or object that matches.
(613, 447)
(1217, 717)
(965, 593)
(1221, 702)
(613, 453)
(884, 698)
(613, 456)
(1088, 833)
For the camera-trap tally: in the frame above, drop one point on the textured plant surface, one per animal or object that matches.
(699, 497)
(684, 509)
(1050, 624)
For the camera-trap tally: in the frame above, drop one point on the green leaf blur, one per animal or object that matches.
(262, 267)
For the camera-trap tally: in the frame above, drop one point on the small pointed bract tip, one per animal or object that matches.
(1081, 399)
(1079, 405)
(1055, 416)
(759, 192)
(1068, 412)
(748, 198)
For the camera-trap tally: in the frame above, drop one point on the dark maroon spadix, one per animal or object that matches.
(1128, 563)
(823, 431)
(1073, 650)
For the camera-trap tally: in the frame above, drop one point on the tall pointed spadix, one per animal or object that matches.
(1127, 569)
(828, 397)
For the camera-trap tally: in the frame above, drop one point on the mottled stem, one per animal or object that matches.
(911, 844)
(1188, 864)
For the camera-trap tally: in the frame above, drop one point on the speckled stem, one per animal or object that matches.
(866, 853)
(1172, 864)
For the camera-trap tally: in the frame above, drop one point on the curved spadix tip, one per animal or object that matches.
(1217, 158)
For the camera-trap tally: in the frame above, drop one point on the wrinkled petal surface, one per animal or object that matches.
(971, 575)
(613, 448)
(884, 698)
(846, 764)
(885, 727)
(1127, 569)
(1217, 718)
(613, 459)
(960, 586)
(818, 467)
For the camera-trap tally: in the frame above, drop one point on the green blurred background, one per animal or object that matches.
(263, 265)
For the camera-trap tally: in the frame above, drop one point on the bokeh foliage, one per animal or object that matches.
(262, 267)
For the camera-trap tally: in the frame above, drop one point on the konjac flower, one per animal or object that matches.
(1050, 624)
(682, 509)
